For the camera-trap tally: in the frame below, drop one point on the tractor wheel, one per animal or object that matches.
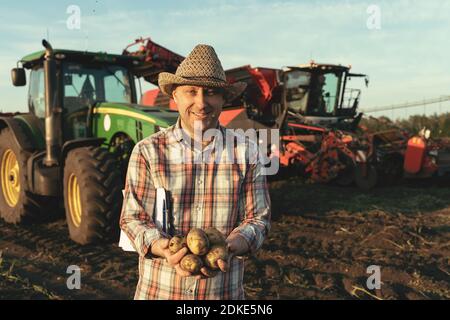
(392, 170)
(346, 177)
(17, 204)
(367, 178)
(92, 195)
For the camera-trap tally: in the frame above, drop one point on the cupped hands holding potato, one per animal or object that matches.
(202, 253)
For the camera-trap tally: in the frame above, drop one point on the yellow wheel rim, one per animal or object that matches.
(74, 200)
(10, 178)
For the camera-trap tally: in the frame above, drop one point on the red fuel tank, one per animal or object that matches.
(415, 154)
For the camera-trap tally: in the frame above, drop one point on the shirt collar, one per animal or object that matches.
(178, 131)
(180, 134)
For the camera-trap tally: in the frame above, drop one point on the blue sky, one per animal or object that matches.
(406, 59)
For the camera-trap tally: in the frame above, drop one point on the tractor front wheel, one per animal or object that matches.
(17, 203)
(92, 195)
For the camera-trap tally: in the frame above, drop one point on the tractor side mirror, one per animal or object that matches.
(18, 77)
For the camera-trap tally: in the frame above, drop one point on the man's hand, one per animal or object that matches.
(161, 248)
(236, 245)
(208, 273)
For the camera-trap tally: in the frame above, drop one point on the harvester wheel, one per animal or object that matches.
(392, 170)
(17, 204)
(92, 195)
(366, 178)
(346, 177)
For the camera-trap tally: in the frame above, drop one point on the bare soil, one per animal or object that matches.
(322, 240)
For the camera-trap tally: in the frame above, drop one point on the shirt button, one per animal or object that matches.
(199, 208)
(200, 181)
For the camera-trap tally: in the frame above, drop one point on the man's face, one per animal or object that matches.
(198, 105)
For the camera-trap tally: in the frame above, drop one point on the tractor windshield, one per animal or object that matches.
(312, 93)
(297, 90)
(324, 94)
(85, 85)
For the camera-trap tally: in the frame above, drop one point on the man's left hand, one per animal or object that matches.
(236, 246)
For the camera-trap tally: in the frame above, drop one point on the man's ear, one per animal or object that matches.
(174, 93)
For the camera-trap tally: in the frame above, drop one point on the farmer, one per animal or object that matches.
(231, 196)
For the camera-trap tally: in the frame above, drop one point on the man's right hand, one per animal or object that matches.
(161, 248)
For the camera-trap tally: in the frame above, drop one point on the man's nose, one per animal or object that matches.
(200, 103)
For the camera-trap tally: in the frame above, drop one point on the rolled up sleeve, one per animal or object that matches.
(255, 203)
(138, 204)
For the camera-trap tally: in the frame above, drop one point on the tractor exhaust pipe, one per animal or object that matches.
(52, 110)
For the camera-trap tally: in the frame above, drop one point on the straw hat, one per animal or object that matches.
(201, 67)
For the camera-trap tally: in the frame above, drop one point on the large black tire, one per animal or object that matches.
(92, 195)
(17, 204)
(366, 179)
(347, 176)
(391, 170)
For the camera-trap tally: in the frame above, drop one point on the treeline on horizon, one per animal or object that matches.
(438, 124)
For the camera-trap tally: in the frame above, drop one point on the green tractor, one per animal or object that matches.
(71, 149)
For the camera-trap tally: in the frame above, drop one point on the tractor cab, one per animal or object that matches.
(82, 79)
(318, 93)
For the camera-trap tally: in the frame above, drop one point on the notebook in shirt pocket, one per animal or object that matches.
(162, 211)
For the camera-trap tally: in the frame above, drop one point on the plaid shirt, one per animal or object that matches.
(231, 196)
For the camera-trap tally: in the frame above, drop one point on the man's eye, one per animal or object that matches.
(192, 92)
(212, 92)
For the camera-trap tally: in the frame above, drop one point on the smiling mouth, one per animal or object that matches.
(201, 115)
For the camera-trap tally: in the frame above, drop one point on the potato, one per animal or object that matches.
(176, 244)
(217, 252)
(197, 241)
(191, 263)
(215, 237)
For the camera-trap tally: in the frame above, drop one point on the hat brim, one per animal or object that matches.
(167, 81)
